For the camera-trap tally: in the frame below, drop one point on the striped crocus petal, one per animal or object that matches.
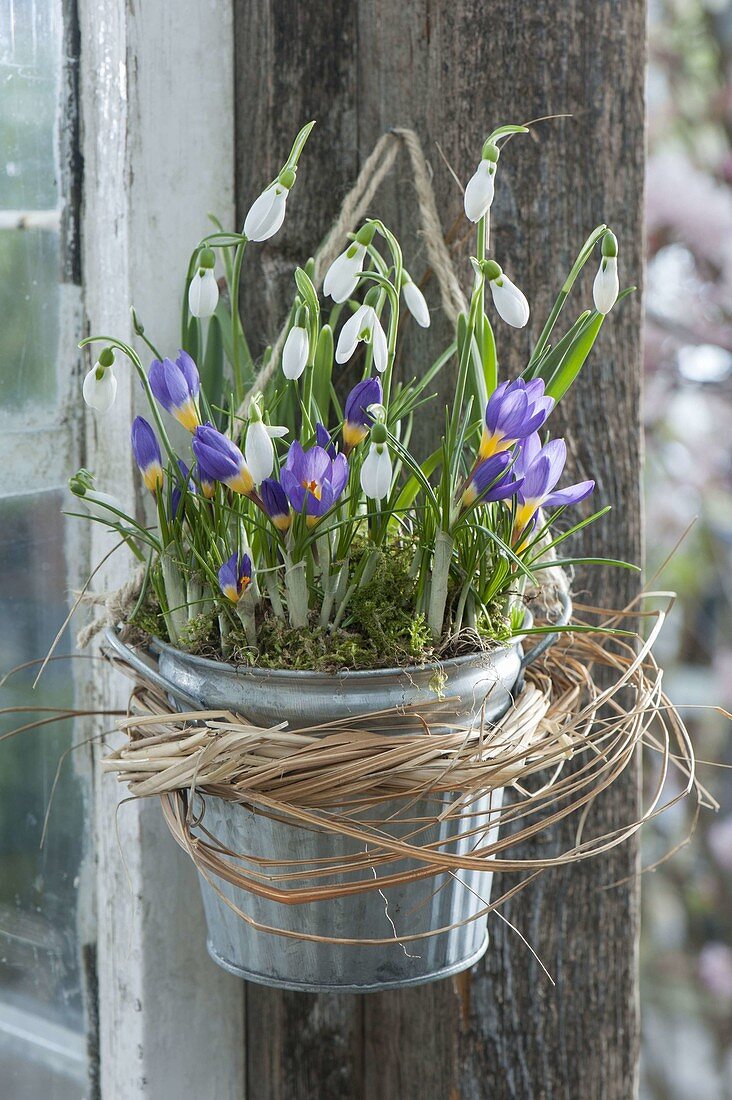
(324, 439)
(312, 480)
(276, 503)
(235, 576)
(357, 419)
(487, 483)
(541, 468)
(146, 450)
(219, 459)
(176, 385)
(514, 411)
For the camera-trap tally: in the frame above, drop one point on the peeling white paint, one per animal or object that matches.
(158, 119)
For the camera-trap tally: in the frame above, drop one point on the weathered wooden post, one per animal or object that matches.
(452, 72)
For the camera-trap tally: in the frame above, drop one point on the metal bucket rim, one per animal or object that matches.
(159, 646)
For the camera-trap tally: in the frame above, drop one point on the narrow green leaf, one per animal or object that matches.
(575, 358)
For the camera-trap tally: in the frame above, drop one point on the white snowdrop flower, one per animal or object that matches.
(606, 286)
(295, 352)
(258, 448)
(416, 303)
(341, 278)
(364, 326)
(376, 472)
(103, 506)
(509, 301)
(267, 212)
(100, 385)
(480, 187)
(203, 292)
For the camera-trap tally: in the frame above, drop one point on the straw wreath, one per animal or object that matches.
(362, 784)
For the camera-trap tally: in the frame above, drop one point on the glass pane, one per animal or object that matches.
(40, 979)
(29, 306)
(30, 49)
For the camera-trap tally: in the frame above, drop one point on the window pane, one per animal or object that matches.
(40, 979)
(29, 306)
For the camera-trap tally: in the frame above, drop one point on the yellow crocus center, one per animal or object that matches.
(312, 487)
(243, 482)
(492, 443)
(153, 477)
(187, 415)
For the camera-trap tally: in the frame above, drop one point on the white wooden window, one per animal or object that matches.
(43, 899)
(155, 98)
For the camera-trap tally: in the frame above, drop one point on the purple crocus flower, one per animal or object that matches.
(219, 459)
(313, 480)
(146, 450)
(276, 504)
(490, 481)
(176, 385)
(177, 493)
(541, 467)
(514, 411)
(235, 576)
(324, 439)
(357, 419)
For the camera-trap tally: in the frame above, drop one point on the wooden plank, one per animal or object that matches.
(157, 101)
(452, 72)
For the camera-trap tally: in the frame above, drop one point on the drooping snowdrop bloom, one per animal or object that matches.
(510, 302)
(480, 187)
(341, 278)
(295, 352)
(203, 291)
(99, 504)
(176, 385)
(606, 286)
(219, 459)
(490, 482)
(357, 418)
(313, 480)
(540, 468)
(276, 504)
(100, 385)
(146, 450)
(415, 302)
(258, 448)
(235, 576)
(376, 471)
(364, 326)
(267, 212)
(514, 411)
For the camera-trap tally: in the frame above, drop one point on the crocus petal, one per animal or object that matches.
(341, 278)
(606, 286)
(100, 393)
(146, 450)
(572, 494)
(556, 452)
(189, 370)
(203, 293)
(259, 452)
(509, 301)
(295, 352)
(416, 304)
(266, 214)
(479, 191)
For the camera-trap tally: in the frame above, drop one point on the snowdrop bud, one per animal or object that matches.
(259, 451)
(203, 292)
(479, 191)
(509, 301)
(295, 352)
(267, 213)
(341, 278)
(606, 286)
(376, 472)
(415, 302)
(100, 385)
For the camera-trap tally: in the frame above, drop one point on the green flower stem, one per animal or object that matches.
(582, 258)
(296, 588)
(444, 545)
(271, 585)
(236, 325)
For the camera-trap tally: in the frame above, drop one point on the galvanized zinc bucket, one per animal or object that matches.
(477, 686)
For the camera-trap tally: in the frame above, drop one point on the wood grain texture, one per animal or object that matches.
(452, 72)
